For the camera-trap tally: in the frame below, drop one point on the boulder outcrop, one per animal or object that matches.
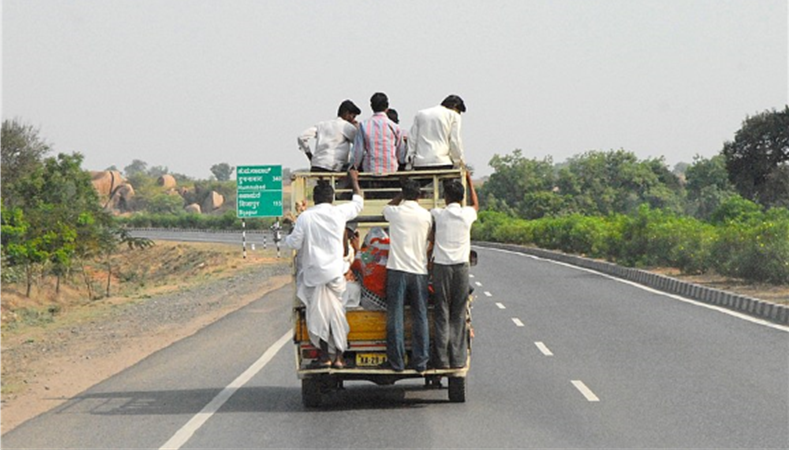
(106, 181)
(213, 201)
(121, 198)
(192, 208)
(115, 193)
(167, 181)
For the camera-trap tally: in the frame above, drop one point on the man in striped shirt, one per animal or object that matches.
(378, 140)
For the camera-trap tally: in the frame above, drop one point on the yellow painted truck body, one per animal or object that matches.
(367, 336)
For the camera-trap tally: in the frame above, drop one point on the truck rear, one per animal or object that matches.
(367, 336)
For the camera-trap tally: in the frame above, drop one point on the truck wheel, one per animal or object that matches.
(310, 392)
(457, 389)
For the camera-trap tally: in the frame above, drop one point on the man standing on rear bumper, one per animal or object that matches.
(406, 277)
(320, 277)
(451, 249)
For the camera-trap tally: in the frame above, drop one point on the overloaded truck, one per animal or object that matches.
(367, 337)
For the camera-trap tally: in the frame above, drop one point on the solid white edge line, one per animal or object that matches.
(186, 432)
(517, 321)
(488, 294)
(501, 306)
(543, 348)
(655, 291)
(585, 391)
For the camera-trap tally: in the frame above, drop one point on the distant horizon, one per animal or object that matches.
(186, 84)
(306, 168)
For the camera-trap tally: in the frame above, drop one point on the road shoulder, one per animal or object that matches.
(62, 362)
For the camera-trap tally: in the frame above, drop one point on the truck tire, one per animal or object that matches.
(311, 392)
(457, 389)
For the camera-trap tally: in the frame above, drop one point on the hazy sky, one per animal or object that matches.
(187, 84)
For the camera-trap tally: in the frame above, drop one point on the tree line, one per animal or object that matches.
(53, 222)
(726, 213)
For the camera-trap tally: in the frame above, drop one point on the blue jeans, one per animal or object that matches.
(399, 286)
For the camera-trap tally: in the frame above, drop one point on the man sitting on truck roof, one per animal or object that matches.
(320, 278)
(406, 276)
(378, 140)
(333, 139)
(451, 249)
(434, 142)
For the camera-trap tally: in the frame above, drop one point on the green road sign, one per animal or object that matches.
(259, 191)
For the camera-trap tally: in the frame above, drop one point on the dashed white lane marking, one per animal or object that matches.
(501, 306)
(478, 283)
(544, 349)
(655, 291)
(517, 322)
(585, 391)
(186, 432)
(471, 275)
(488, 294)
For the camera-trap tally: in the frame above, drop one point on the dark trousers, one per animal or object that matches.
(451, 293)
(441, 167)
(314, 169)
(427, 182)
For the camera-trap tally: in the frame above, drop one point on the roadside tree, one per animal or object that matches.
(222, 171)
(602, 183)
(707, 185)
(52, 205)
(758, 159)
(22, 152)
(518, 184)
(137, 166)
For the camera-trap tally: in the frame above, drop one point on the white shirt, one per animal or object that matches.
(333, 140)
(434, 139)
(452, 243)
(409, 225)
(318, 237)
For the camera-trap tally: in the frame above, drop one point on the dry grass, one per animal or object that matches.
(165, 267)
(57, 345)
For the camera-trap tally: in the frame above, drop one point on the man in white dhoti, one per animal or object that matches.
(320, 281)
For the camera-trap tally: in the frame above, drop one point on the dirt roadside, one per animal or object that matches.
(45, 365)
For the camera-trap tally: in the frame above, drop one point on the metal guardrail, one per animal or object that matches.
(199, 230)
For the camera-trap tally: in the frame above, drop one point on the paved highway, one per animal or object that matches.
(562, 357)
(230, 237)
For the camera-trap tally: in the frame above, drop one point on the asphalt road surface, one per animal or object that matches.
(258, 238)
(562, 357)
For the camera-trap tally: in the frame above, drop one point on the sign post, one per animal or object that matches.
(259, 191)
(258, 194)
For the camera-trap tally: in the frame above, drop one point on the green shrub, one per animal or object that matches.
(755, 250)
(736, 208)
(486, 223)
(514, 231)
(166, 204)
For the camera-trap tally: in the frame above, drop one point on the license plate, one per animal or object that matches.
(370, 359)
